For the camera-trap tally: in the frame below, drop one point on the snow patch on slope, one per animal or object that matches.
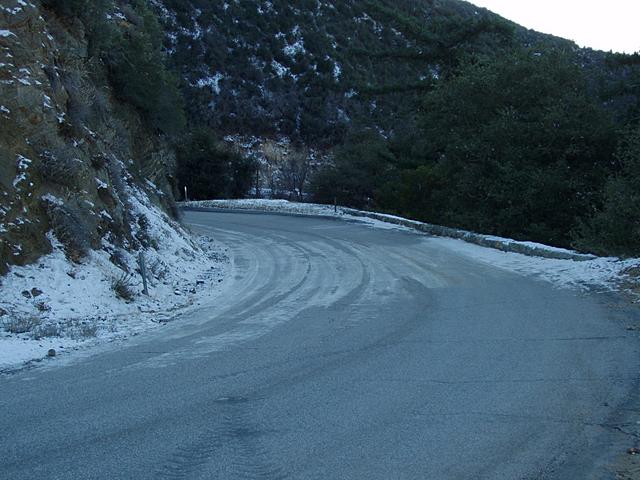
(68, 306)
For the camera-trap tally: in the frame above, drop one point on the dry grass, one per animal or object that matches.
(21, 324)
(122, 287)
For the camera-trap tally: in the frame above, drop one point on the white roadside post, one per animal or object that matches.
(143, 272)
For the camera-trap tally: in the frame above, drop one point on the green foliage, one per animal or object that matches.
(132, 52)
(615, 228)
(450, 36)
(510, 145)
(210, 171)
(363, 167)
(93, 15)
(137, 72)
(516, 147)
(439, 113)
(340, 48)
(619, 84)
(68, 8)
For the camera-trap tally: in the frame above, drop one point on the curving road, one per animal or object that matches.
(339, 351)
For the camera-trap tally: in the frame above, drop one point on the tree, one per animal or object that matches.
(615, 228)
(210, 171)
(363, 169)
(68, 8)
(515, 147)
(132, 53)
(137, 72)
(295, 170)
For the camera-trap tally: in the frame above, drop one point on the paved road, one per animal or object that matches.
(338, 351)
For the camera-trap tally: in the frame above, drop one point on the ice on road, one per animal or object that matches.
(339, 351)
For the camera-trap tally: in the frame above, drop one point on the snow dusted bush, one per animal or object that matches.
(61, 168)
(72, 328)
(21, 324)
(46, 330)
(122, 286)
(142, 235)
(119, 258)
(84, 330)
(71, 230)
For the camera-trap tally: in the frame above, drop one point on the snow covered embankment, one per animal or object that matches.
(274, 206)
(61, 305)
(563, 268)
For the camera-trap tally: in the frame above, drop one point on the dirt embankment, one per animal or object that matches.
(70, 153)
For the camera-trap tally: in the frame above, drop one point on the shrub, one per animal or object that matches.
(70, 328)
(134, 59)
(122, 286)
(67, 8)
(210, 171)
(615, 228)
(99, 161)
(71, 229)
(158, 269)
(119, 259)
(79, 100)
(85, 330)
(137, 71)
(46, 330)
(21, 324)
(61, 168)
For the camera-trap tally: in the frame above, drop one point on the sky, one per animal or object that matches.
(599, 24)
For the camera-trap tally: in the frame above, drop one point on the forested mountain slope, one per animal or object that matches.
(307, 69)
(434, 109)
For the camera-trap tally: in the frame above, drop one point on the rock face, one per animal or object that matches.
(72, 157)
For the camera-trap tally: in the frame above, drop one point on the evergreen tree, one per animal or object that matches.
(210, 171)
(615, 228)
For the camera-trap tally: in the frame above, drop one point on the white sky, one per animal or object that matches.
(600, 24)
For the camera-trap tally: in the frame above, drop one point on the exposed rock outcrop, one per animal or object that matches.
(71, 156)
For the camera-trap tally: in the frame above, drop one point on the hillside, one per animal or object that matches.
(86, 175)
(305, 69)
(338, 100)
(73, 157)
(90, 113)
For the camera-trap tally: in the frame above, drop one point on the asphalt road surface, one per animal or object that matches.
(339, 351)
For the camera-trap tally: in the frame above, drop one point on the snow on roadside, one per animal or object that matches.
(601, 273)
(278, 206)
(56, 304)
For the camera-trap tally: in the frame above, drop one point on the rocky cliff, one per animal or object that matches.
(86, 171)
(75, 163)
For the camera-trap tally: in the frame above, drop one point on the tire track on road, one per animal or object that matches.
(234, 442)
